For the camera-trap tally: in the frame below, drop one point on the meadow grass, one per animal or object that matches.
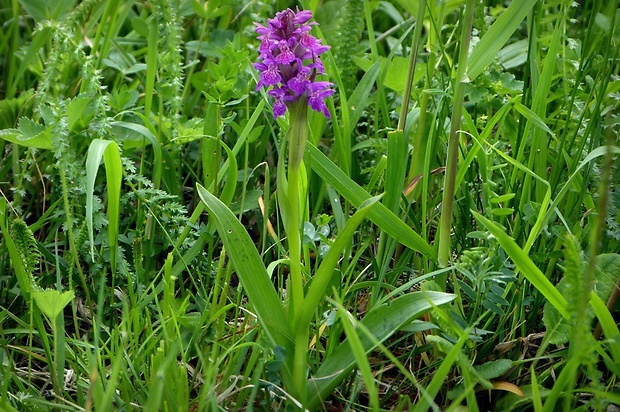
(449, 241)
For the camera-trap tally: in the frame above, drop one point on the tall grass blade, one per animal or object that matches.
(323, 276)
(485, 51)
(525, 265)
(379, 215)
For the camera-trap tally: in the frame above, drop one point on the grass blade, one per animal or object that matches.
(498, 34)
(322, 277)
(525, 265)
(383, 321)
(379, 215)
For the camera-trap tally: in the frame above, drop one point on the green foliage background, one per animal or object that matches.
(143, 258)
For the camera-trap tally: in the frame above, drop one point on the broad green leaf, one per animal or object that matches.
(29, 134)
(396, 76)
(47, 9)
(485, 51)
(250, 269)
(525, 265)
(52, 302)
(109, 152)
(557, 328)
(494, 369)
(383, 321)
(355, 194)
(607, 273)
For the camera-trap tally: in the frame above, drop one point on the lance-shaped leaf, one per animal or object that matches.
(354, 193)
(383, 321)
(250, 269)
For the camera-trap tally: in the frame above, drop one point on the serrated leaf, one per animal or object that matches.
(29, 134)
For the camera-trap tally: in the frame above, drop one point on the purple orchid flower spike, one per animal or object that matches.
(289, 61)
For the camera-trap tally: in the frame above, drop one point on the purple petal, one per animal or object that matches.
(308, 41)
(303, 16)
(317, 93)
(298, 83)
(271, 77)
(286, 56)
(279, 108)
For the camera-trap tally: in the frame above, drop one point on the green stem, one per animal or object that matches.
(297, 137)
(453, 145)
(294, 240)
(412, 63)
